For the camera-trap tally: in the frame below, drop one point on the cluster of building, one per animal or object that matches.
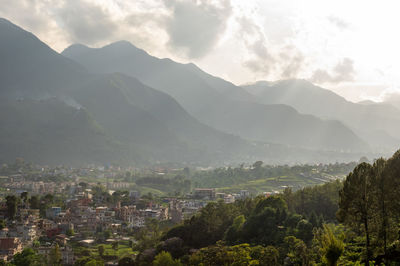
(85, 216)
(26, 229)
(210, 194)
(37, 187)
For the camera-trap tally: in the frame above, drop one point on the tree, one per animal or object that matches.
(2, 224)
(356, 202)
(207, 227)
(70, 232)
(233, 233)
(266, 224)
(314, 219)
(115, 245)
(101, 249)
(84, 185)
(55, 256)
(82, 261)
(24, 196)
(165, 259)
(224, 255)
(49, 198)
(172, 245)
(385, 176)
(126, 261)
(331, 246)
(107, 233)
(304, 230)
(94, 262)
(383, 196)
(265, 255)
(12, 203)
(297, 252)
(257, 165)
(27, 257)
(34, 202)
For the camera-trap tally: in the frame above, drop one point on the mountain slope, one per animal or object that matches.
(161, 74)
(144, 124)
(51, 132)
(30, 67)
(135, 113)
(215, 101)
(378, 124)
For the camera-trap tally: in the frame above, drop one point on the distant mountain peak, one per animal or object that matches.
(284, 82)
(367, 102)
(123, 43)
(295, 83)
(122, 46)
(260, 83)
(77, 46)
(10, 28)
(119, 46)
(76, 49)
(4, 21)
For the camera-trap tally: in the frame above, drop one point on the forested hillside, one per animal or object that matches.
(349, 222)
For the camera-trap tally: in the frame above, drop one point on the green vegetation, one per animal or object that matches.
(27, 257)
(291, 228)
(349, 221)
(259, 178)
(256, 178)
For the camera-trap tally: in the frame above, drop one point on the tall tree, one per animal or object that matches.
(24, 196)
(383, 193)
(356, 202)
(55, 256)
(27, 257)
(34, 202)
(165, 259)
(101, 249)
(12, 203)
(388, 190)
(331, 246)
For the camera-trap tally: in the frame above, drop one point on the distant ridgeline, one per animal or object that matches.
(118, 104)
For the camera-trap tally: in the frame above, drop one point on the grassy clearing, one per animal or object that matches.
(123, 250)
(271, 184)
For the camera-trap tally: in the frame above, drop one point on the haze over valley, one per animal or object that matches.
(199, 133)
(120, 104)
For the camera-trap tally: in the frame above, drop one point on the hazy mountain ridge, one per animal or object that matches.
(377, 123)
(134, 115)
(22, 54)
(51, 132)
(122, 120)
(220, 108)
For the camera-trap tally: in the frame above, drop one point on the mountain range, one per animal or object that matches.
(118, 104)
(376, 123)
(216, 102)
(148, 125)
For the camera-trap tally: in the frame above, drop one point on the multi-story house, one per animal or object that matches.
(9, 246)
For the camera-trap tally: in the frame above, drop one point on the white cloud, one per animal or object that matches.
(339, 22)
(237, 39)
(194, 27)
(86, 22)
(341, 72)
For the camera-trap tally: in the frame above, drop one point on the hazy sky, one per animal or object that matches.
(351, 47)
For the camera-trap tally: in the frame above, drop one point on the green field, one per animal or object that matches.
(270, 184)
(123, 250)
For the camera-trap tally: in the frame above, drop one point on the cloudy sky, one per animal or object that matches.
(350, 47)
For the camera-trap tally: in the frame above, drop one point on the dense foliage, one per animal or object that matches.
(292, 228)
